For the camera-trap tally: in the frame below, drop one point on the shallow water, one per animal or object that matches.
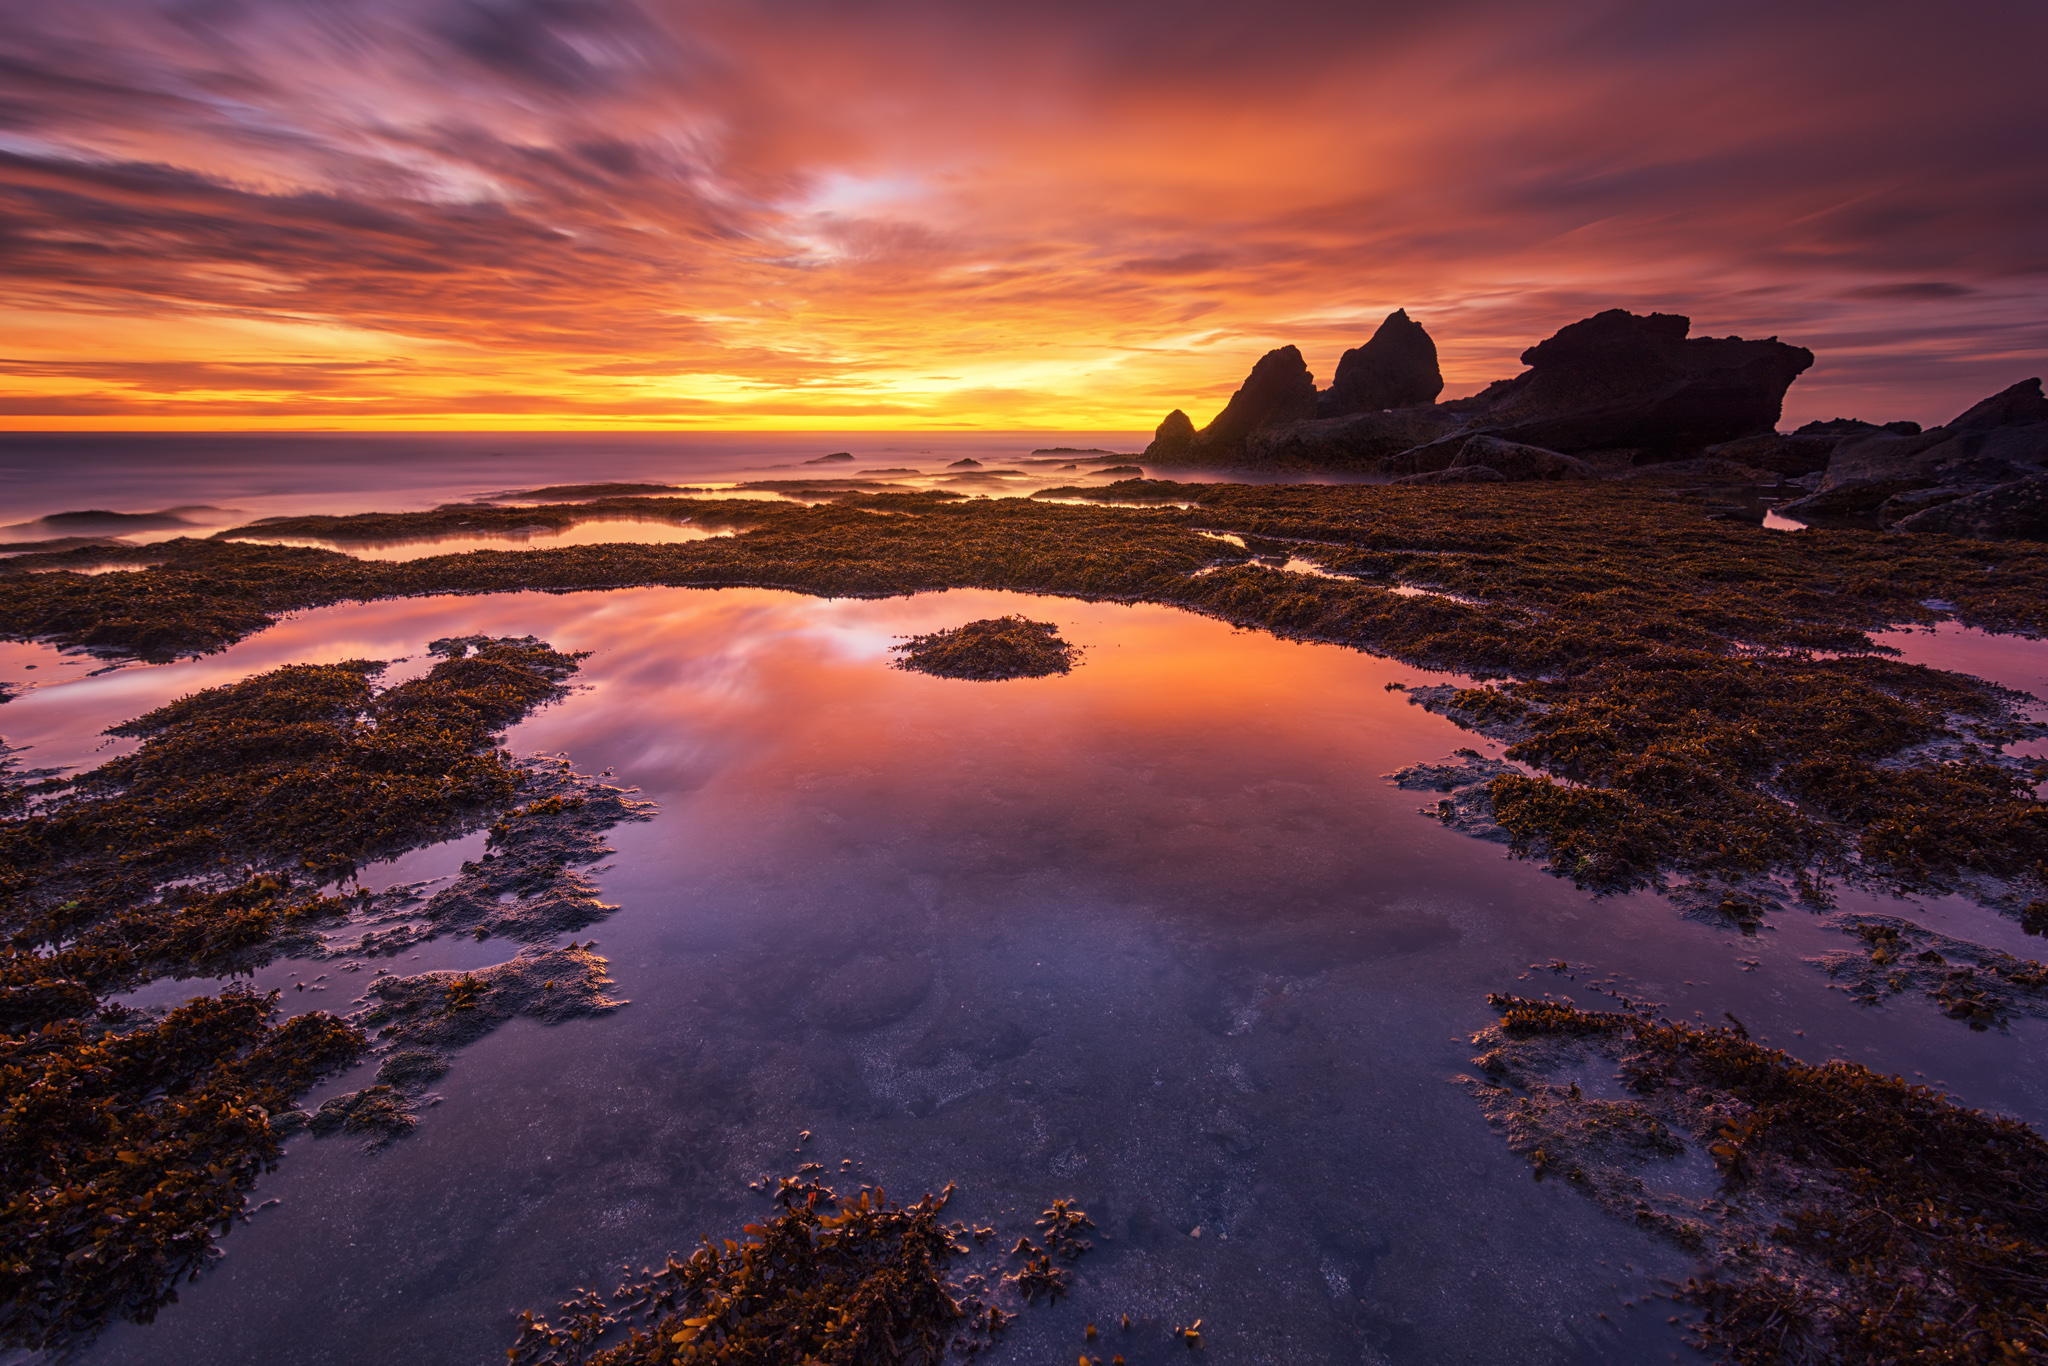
(1155, 934)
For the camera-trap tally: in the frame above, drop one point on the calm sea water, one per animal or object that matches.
(250, 475)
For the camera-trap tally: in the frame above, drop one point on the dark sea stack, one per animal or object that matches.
(965, 463)
(1277, 392)
(1626, 380)
(1175, 439)
(1397, 368)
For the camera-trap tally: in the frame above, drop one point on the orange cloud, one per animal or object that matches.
(918, 214)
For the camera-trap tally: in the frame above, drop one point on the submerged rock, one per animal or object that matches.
(1397, 368)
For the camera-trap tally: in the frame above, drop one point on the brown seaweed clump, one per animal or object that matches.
(126, 1150)
(1853, 1217)
(827, 1281)
(990, 649)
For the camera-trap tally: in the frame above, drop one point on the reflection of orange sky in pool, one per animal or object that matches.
(1163, 704)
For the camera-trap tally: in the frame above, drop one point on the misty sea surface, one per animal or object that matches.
(1158, 935)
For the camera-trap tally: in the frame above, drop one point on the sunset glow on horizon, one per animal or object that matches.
(564, 214)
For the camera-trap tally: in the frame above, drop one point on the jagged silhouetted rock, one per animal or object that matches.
(1279, 390)
(1616, 388)
(1619, 379)
(1855, 426)
(1174, 439)
(1395, 369)
(2022, 405)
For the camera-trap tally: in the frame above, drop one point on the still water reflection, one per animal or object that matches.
(1156, 935)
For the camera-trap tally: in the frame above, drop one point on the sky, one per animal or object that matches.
(921, 214)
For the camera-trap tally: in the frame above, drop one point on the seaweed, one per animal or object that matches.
(836, 1282)
(988, 650)
(125, 1151)
(1671, 679)
(127, 1143)
(1858, 1218)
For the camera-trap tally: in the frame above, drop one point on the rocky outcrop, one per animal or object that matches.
(1463, 474)
(1174, 439)
(2000, 443)
(1279, 390)
(1619, 379)
(1363, 442)
(2018, 510)
(1395, 369)
(1617, 388)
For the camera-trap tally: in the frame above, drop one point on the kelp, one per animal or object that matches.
(125, 1150)
(1859, 1219)
(829, 1281)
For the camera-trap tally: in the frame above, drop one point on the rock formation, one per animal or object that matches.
(1952, 478)
(1616, 382)
(1174, 439)
(1623, 380)
(1278, 391)
(1395, 369)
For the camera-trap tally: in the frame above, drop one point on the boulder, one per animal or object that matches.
(1513, 461)
(1900, 506)
(1623, 379)
(1395, 369)
(1462, 474)
(2018, 510)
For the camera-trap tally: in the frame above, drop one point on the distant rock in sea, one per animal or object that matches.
(967, 463)
(837, 457)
